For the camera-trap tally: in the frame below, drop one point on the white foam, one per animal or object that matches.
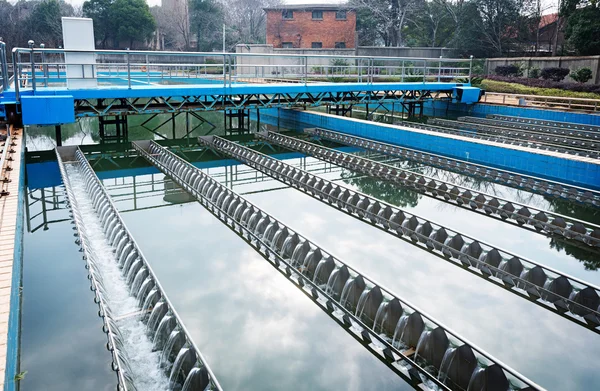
(143, 361)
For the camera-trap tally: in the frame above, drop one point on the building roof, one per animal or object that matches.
(546, 20)
(309, 7)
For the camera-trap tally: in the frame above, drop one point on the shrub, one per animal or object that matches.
(554, 73)
(540, 87)
(338, 65)
(508, 70)
(534, 73)
(581, 75)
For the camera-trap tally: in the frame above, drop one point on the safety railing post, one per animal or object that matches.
(32, 61)
(402, 73)
(128, 70)
(440, 70)
(305, 70)
(4, 65)
(424, 70)
(230, 61)
(470, 68)
(224, 70)
(17, 72)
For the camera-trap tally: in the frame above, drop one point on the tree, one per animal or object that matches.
(173, 22)
(389, 17)
(432, 25)
(132, 21)
(247, 20)
(583, 30)
(498, 24)
(207, 18)
(44, 24)
(99, 12)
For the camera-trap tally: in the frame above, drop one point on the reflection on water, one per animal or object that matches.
(254, 327)
(140, 127)
(62, 344)
(257, 330)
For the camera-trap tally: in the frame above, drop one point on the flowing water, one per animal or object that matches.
(143, 361)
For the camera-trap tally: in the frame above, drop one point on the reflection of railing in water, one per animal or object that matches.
(541, 186)
(576, 232)
(54, 202)
(384, 323)
(51, 199)
(180, 357)
(569, 297)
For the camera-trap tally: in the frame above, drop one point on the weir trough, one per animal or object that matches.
(544, 122)
(564, 144)
(525, 216)
(545, 286)
(584, 135)
(391, 332)
(181, 360)
(545, 187)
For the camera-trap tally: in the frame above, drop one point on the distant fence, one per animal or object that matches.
(366, 51)
(573, 63)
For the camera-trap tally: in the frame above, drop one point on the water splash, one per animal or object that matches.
(443, 365)
(143, 361)
(400, 326)
(423, 336)
(380, 314)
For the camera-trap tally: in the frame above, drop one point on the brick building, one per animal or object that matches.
(311, 26)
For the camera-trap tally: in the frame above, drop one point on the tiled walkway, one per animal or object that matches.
(8, 223)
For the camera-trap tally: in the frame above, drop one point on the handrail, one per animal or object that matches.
(307, 67)
(564, 103)
(218, 54)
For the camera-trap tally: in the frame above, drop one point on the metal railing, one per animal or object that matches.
(4, 76)
(555, 102)
(37, 67)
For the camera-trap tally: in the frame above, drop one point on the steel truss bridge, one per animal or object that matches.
(43, 87)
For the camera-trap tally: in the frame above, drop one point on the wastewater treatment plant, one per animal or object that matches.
(241, 221)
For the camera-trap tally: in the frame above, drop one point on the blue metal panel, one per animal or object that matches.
(146, 91)
(561, 169)
(466, 94)
(48, 110)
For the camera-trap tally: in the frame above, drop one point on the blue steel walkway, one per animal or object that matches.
(48, 88)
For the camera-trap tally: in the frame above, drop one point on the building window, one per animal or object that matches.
(340, 45)
(317, 15)
(317, 45)
(287, 14)
(287, 45)
(340, 15)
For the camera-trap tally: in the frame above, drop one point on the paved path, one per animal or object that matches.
(8, 224)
